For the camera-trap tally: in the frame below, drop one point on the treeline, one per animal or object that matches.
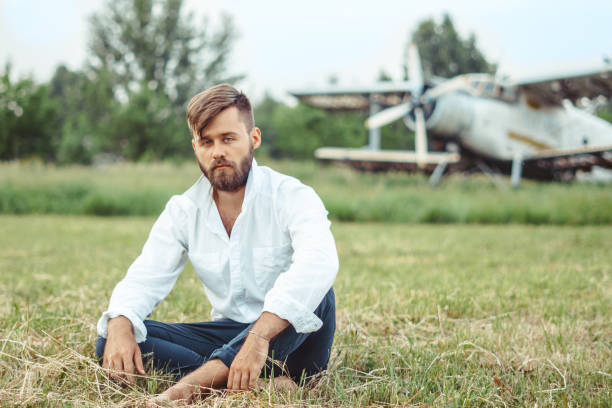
(147, 58)
(76, 118)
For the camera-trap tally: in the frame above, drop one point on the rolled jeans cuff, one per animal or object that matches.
(228, 351)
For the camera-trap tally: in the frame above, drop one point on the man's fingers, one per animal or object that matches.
(244, 381)
(236, 383)
(138, 361)
(230, 378)
(128, 367)
(115, 366)
(252, 378)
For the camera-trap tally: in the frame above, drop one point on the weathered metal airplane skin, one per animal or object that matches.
(528, 127)
(501, 130)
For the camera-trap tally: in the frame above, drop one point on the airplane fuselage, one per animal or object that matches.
(502, 129)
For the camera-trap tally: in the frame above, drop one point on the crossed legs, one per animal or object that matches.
(181, 348)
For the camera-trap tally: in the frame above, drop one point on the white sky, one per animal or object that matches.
(293, 44)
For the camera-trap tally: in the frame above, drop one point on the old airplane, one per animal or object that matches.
(526, 127)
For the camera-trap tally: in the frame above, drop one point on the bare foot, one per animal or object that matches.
(177, 395)
(282, 383)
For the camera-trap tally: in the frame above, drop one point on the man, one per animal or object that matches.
(261, 245)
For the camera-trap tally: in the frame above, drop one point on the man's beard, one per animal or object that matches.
(225, 179)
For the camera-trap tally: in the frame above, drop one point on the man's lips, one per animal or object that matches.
(222, 166)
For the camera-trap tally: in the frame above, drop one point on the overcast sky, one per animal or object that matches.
(292, 44)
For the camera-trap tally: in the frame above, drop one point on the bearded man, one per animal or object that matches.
(261, 244)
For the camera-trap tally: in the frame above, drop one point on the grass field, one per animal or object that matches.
(143, 189)
(428, 315)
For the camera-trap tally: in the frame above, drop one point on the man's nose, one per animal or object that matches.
(218, 151)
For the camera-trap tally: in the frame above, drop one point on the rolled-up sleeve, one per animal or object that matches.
(153, 274)
(298, 291)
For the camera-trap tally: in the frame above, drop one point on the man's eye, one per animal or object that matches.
(228, 139)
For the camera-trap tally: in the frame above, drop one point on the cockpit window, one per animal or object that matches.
(508, 93)
(485, 86)
(488, 89)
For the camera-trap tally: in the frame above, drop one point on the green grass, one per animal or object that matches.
(143, 189)
(428, 315)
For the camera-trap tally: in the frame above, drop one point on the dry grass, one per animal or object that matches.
(427, 316)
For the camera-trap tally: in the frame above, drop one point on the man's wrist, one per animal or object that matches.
(261, 336)
(268, 326)
(119, 324)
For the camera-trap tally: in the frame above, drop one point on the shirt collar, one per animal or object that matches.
(201, 192)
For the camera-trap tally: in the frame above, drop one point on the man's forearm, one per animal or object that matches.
(269, 325)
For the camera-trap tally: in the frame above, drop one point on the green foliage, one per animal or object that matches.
(153, 43)
(147, 128)
(28, 119)
(444, 53)
(296, 132)
(147, 57)
(302, 129)
(87, 107)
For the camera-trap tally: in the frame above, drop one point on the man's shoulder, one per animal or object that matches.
(275, 182)
(199, 193)
(288, 194)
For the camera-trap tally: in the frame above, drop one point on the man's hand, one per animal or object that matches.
(252, 356)
(121, 352)
(247, 364)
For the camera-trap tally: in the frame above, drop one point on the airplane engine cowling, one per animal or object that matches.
(451, 115)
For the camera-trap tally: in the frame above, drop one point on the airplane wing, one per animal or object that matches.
(572, 158)
(384, 156)
(573, 85)
(355, 98)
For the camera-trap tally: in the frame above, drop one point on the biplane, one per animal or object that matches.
(528, 126)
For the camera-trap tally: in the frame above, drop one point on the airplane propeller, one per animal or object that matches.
(388, 115)
(414, 104)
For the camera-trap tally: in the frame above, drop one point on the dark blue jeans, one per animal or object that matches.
(180, 348)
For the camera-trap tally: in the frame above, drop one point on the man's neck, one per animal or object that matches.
(229, 205)
(228, 200)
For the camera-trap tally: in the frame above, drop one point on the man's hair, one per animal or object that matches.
(203, 107)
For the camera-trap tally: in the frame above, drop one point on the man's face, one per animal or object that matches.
(224, 150)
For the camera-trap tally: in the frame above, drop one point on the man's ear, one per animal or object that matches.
(256, 137)
(193, 143)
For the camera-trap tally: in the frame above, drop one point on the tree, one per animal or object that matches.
(153, 44)
(28, 119)
(88, 104)
(146, 128)
(444, 53)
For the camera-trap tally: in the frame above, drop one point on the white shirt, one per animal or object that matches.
(281, 256)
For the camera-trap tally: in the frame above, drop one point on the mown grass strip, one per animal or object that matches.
(143, 190)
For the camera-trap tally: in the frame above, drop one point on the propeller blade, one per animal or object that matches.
(420, 140)
(415, 69)
(433, 93)
(388, 115)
